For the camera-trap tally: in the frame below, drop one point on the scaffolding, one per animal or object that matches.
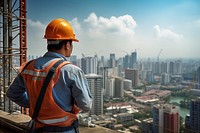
(13, 45)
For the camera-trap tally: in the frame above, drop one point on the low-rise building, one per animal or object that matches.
(125, 118)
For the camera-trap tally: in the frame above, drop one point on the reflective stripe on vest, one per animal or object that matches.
(52, 121)
(34, 73)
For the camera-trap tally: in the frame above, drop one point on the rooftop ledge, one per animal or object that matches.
(10, 123)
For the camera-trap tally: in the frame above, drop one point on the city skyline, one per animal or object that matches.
(121, 27)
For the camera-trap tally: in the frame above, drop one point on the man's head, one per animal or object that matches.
(60, 35)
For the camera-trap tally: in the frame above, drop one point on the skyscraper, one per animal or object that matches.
(177, 67)
(133, 60)
(195, 115)
(119, 87)
(164, 67)
(89, 64)
(126, 62)
(165, 118)
(157, 68)
(198, 78)
(150, 77)
(112, 61)
(130, 61)
(95, 83)
(132, 75)
(110, 87)
(84, 65)
(165, 79)
(171, 68)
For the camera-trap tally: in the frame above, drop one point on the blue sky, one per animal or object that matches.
(121, 26)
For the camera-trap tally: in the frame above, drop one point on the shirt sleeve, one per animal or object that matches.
(80, 90)
(17, 92)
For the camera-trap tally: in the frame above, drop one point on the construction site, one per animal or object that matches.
(13, 45)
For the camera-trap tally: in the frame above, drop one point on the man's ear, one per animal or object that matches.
(67, 45)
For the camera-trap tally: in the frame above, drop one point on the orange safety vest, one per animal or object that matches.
(50, 113)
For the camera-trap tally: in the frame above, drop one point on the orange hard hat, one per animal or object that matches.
(60, 29)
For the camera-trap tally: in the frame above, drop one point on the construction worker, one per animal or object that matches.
(66, 92)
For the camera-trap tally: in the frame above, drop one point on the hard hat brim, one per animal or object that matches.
(75, 40)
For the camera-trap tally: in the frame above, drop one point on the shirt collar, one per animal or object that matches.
(55, 55)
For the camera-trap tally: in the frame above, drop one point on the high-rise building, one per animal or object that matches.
(89, 64)
(119, 88)
(166, 118)
(164, 67)
(198, 78)
(120, 67)
(165, 79)
(102, 62)
(157, 68)
(195, 115)
(187, 124)
(132, 74)
(149, 65)
(119, 70)
(104, 72)
(150, 77)
(133, 60)
(112, 61)
(171, 68)
(84, 65)
(142, 74)
(95, 83)
(109, 91)
(177, 67)
(130, 61)
(126, 62)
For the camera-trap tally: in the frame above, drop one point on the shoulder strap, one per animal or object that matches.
(29, 62)
(43, 89)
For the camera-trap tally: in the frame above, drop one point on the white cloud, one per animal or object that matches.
(35, 41)
(75, 24)
(102, 27)
(197, 23)
(36, 24)
(103, 36)
(36, 28)
(167, 34)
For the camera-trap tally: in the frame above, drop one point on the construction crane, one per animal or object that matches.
(159, 54)
(83, 56)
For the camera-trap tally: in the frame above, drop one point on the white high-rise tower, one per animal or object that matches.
(95, 83)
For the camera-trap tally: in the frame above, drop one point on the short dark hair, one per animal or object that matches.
(57, 46)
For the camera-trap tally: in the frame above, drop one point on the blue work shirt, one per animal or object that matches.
(72, 86)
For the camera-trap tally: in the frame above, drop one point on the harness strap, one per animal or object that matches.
(27, 65)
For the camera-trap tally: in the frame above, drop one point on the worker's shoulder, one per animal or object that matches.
(71, 68)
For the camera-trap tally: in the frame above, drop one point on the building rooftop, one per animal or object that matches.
(10, 123)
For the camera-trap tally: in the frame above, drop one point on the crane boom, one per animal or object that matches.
(159, 55)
